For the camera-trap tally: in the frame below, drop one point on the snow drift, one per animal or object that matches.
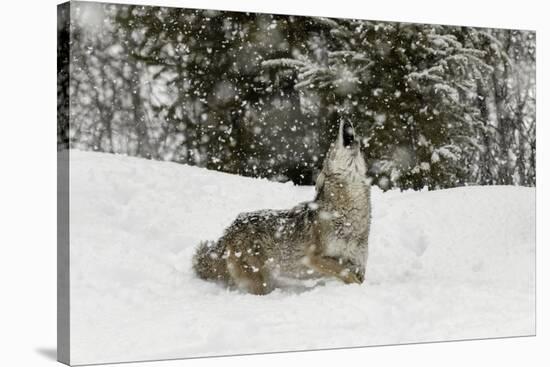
(444, 265)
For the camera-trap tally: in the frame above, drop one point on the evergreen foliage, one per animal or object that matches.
(262, 95)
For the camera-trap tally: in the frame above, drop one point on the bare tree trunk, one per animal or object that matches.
(485, 158)
(143, 148)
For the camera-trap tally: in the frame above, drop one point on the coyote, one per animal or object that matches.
(325, 237)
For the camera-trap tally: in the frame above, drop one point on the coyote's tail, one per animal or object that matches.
(208, 261)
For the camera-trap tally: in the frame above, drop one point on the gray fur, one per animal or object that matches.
(325, 237)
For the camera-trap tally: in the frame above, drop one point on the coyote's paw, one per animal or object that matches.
(350, 277)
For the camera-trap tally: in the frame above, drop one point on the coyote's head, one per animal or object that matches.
(344, 157)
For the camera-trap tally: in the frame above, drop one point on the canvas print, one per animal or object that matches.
(234, 183)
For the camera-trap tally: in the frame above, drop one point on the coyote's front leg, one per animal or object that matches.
(332, 267)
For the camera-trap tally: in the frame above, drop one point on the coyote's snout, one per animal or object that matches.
(325, 237)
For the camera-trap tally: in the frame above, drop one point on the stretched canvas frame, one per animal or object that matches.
(100, 172)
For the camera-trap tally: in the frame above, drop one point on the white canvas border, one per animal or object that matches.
(29, 180)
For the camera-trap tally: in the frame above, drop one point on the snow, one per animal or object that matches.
(443, 265)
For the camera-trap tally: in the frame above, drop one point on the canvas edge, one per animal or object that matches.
(63, 212)
(63, 246)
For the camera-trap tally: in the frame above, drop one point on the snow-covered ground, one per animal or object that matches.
(445, 265)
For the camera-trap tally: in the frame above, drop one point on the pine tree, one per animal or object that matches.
(263, 95)
(410, 89)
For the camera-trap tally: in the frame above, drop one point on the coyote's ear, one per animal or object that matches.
(320, 181)
(340, 138)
